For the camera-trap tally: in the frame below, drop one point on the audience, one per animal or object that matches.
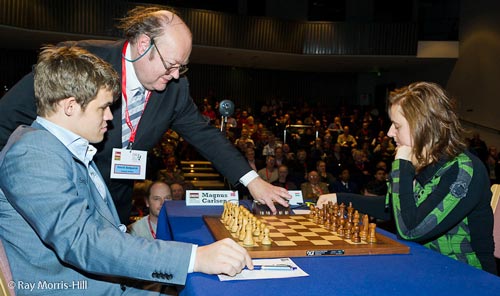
(283, 179)
(171, 173)
(344, 183)
(178, 191)
(313, 188)
(269, 173)
(324, 176)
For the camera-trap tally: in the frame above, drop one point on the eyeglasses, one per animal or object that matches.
(182, 68)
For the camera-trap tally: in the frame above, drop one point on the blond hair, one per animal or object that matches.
(64, 72)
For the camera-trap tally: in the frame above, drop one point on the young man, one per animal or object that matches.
(58, 223)
(151, 62)
(158, 193)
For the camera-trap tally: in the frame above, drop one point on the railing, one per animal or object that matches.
(97, 17)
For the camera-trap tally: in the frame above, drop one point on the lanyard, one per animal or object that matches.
(133, 130)
(153, 233)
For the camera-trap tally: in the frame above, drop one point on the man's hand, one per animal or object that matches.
(266, 193)
(325, 198)
(222, 257)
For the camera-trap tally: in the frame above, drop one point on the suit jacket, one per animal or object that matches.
(56, 227)
(172, 108)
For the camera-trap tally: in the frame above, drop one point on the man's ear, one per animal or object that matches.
(69, 106)
(143, 43)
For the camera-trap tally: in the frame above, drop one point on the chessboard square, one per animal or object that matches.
(298, 218)
(276, 234)
(286, 243)
(308, 223)
(321, 242)
(287, 220)
(308, 234)
(269, 218)
(298, 227)
(278, 223)
(287, 230)
(331, 237)
(297, 238)
(317, 229)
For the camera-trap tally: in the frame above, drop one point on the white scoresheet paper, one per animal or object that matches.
(267, 274)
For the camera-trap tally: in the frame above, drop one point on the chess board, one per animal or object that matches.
(299, 236)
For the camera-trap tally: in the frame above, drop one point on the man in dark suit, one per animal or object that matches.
(152, 59)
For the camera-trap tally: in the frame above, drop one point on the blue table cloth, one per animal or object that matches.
(422, 272)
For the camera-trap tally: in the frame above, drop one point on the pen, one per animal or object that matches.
(274, 267)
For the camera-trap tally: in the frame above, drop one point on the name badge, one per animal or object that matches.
(210, 197)
(128, 164)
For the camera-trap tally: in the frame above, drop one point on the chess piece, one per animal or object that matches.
(243, 229)
(372, 238)
(266, 241)
(248, 241)
(364, 228)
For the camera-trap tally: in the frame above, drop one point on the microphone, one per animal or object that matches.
(226, 108)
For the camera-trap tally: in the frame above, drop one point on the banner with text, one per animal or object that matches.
(210, 197)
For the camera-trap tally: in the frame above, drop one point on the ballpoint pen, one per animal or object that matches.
(285, 267)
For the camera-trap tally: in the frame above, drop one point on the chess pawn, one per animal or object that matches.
(347, 230)
(243, 230)
(261, 235)
(312, 211)
(355, 234)
(266, 241)
(333, 226)
(372, 238)
(233, 226)
(248, 241)
(256, 231)
(340, 230)
(327, 221)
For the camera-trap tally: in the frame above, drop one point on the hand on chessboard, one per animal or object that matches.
(325, 198)
(268, 194)
(222, 257)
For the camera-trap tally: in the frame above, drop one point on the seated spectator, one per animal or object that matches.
(283, 179)
(255, 164)
(287, 152)
(384, 151)
(344, 184)
(364, 134)
(346, 140)
(146, 227)
(316, 152)
(178, 191)
(244, 138)
(335, 128)
(313, 188)
(171, 174)
(269, 173)
(299, 167)
(377, 186)
(139, 196)
(360, 170)
(279, 157)
(324, 176)
(271, 145)
(336, 160)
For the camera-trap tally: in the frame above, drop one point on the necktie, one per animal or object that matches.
(135, 109)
